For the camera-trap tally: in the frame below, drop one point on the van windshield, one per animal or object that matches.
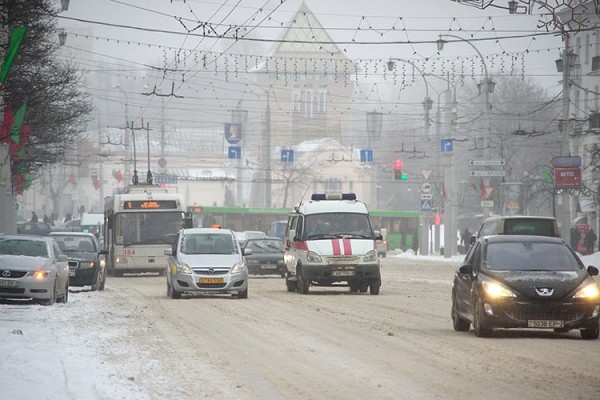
(338, 225)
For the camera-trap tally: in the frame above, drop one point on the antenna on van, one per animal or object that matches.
(306, 190)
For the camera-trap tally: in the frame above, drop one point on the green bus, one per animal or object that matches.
(402, 226)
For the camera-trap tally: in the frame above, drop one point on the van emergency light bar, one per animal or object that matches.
(343, 196)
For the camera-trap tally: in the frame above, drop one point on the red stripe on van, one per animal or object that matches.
(335, 244)
(347, 247)
(300, 246)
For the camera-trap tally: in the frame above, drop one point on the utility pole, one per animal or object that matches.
(568, 61)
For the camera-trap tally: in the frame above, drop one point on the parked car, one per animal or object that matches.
(72, 225)
(206, 261)
(245, 235)
(87, 262)
(266, 257)
(522, 281)
(518, 225)
(34, 228)
(33, 267)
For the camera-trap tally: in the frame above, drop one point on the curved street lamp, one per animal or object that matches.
(427, 102)
(486, 87)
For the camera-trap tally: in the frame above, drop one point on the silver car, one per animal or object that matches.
(208, 261)
(33, 267)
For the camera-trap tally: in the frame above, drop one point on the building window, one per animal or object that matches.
(596, 63)
(333, 186)
(308, 105)
(322, 102)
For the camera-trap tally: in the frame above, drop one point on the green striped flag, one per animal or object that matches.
(15, 130)
(16, 39)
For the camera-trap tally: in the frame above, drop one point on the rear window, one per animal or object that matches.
(529, 227)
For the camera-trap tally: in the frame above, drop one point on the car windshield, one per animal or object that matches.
(265, 245)
(75, 243)
(208, 243)
(334, 225)
(20, 247)
(530, 256)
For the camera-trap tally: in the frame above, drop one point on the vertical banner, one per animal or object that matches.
(512, 198)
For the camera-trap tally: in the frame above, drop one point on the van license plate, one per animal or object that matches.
(342, 273)
(545, 323)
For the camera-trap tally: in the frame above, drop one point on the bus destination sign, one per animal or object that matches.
(150, 205)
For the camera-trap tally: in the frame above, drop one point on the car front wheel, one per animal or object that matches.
(479, 325)
(172, 292)
(591, 333)
(374, 286)
(460, 324)
(303, 284)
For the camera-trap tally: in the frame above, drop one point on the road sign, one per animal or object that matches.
(426, 173)
(574, 161)
(165, 179)
(426, 187)
(287, 156)
(446, 146)
(234, 152)
(487, 173)
(233, 133)
(487, 162)
(487, 203)
(426, 204)
(426, 196)
(565, 178)
(366, 156)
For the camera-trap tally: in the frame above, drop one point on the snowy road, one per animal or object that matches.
(329, 344)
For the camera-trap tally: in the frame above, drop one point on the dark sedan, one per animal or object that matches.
(266, 257)
(87, 264)
(517, 281)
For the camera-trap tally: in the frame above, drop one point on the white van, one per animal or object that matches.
(330, 241)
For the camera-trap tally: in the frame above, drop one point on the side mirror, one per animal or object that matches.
(472, 239)
(104, 252)
(593, 271)
(247, 251)
(62, 258)
(466, 269)
(168, 252)
(292, 235)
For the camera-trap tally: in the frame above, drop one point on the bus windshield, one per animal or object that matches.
(147, 227)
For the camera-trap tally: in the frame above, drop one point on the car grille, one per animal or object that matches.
(213, 273)
(12, 290)
(13, 274)
(211, 285)
(549, 311)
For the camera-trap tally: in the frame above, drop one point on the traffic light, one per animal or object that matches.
(398, 175)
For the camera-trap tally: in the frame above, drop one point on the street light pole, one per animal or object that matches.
(127, 156)
(487, 87)
(427, 102)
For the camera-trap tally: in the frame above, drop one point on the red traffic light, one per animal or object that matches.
(397, 165)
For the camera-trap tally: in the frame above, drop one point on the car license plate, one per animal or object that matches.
(545, 323)
(211, 280)
(268, 266)
(7, 283)
(342, 273)
(71, 273)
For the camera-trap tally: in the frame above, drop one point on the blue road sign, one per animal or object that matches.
(446, 146)
(234, 152)
(426, 204)
(366, 156)
(233, 133)
(287, 156)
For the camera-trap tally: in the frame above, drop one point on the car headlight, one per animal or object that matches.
(370, 256)
(183, 268)
(311, 256)
(496, 290)
(86, 264)
(589, 291)
(40, 274)
(238, 268)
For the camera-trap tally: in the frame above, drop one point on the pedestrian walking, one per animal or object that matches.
(590, 240)
(574, 239)
(34, 217)
(465, 239)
